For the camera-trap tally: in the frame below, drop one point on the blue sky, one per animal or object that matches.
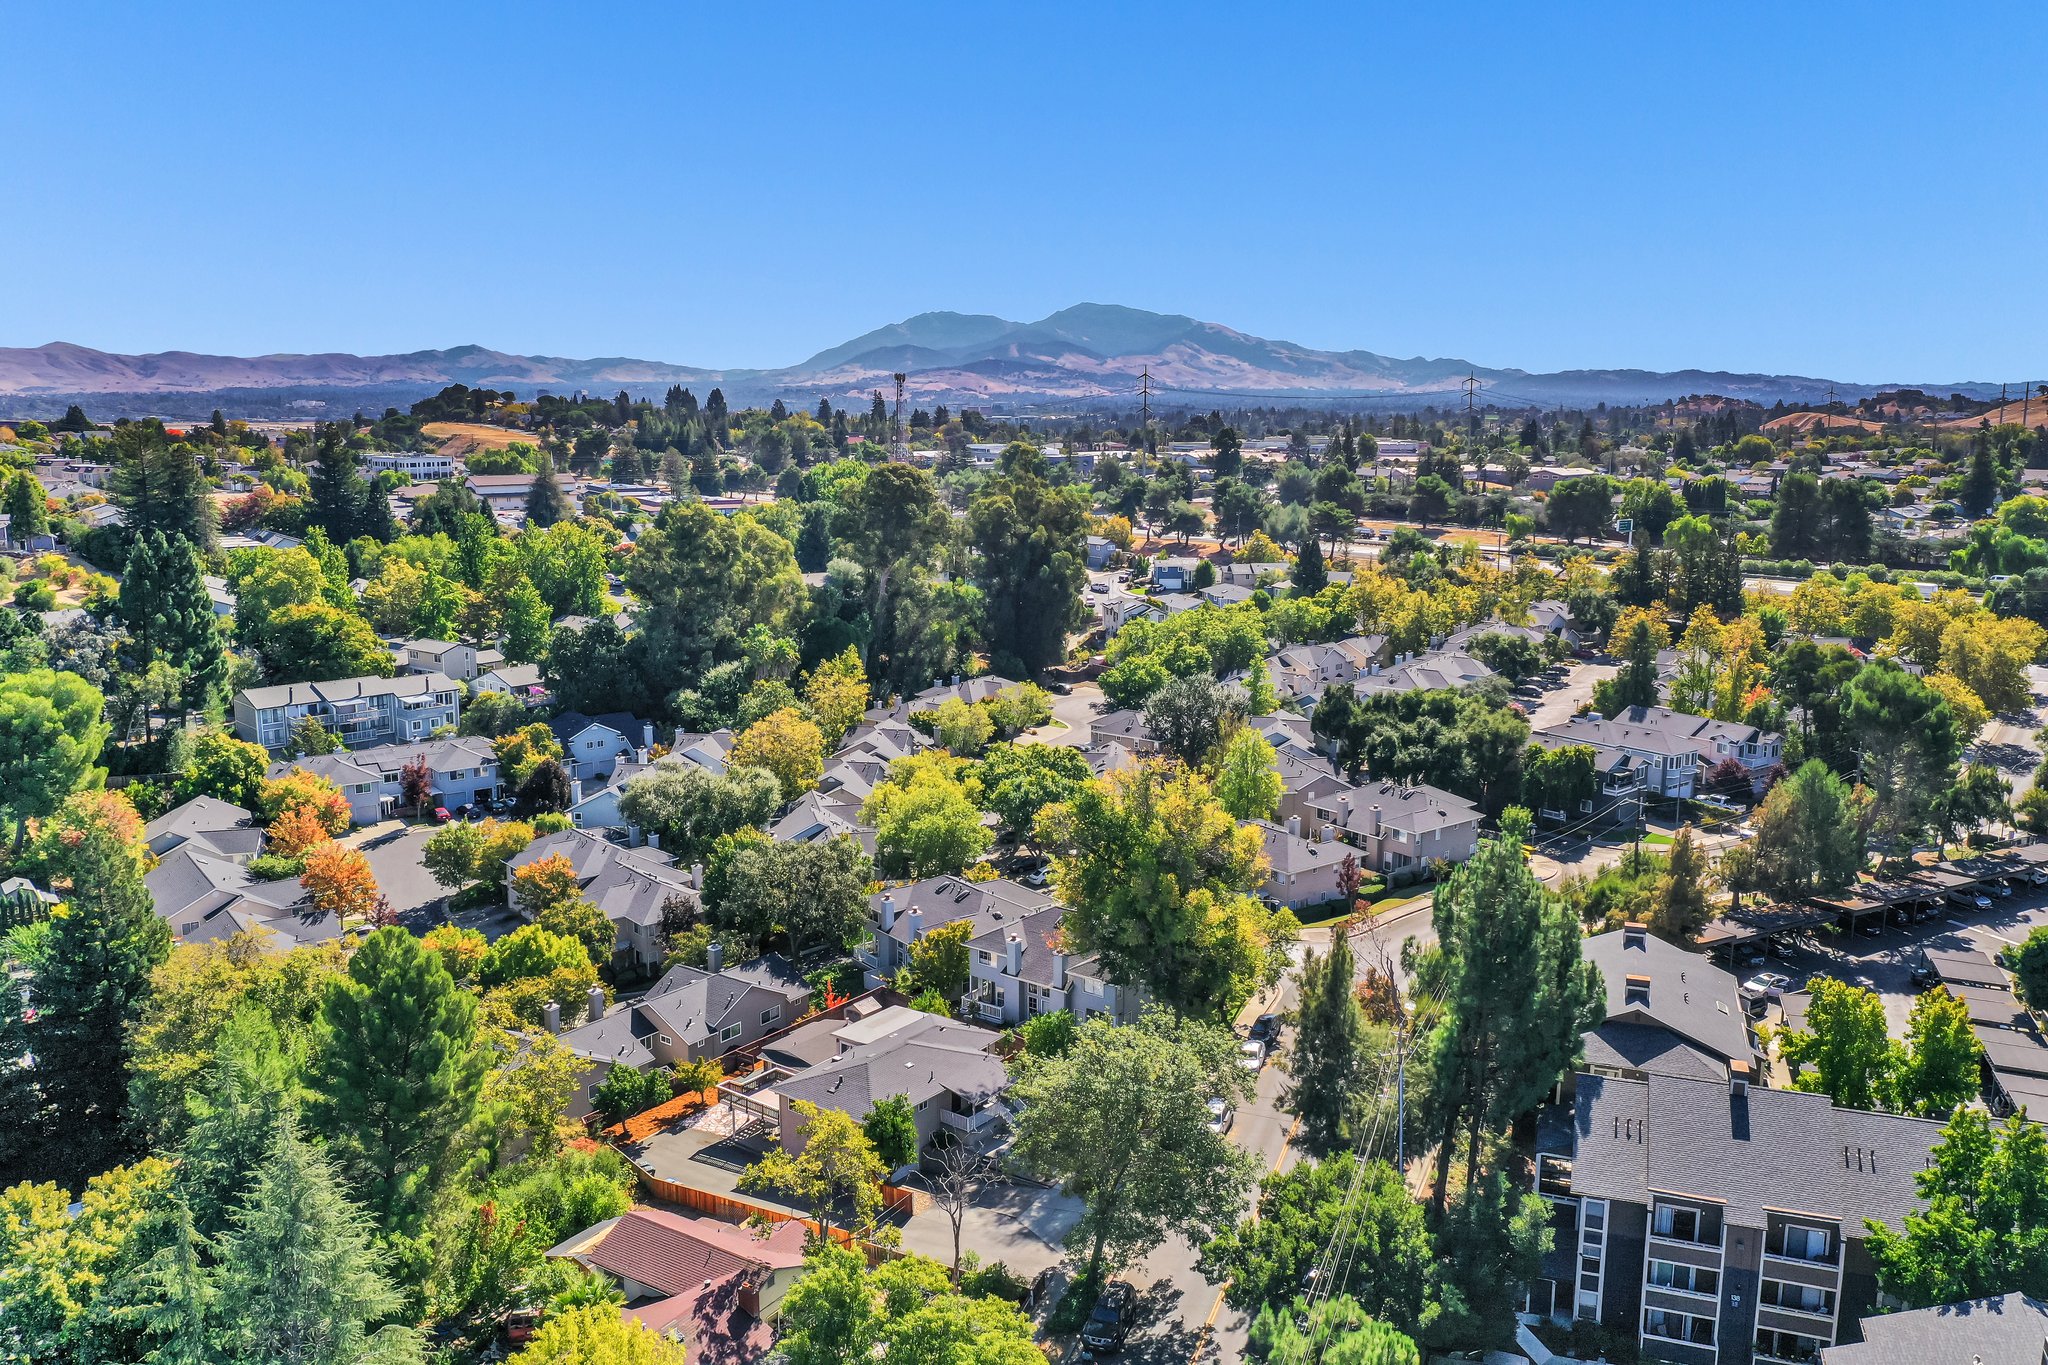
(1847, 191)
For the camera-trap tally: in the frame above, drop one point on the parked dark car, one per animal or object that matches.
(1264, 1029)
(1110, 1323)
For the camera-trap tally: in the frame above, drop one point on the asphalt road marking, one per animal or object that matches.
(1209, 1323)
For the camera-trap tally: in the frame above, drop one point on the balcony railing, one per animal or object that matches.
(971, 1123)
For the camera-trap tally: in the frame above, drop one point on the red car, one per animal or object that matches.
(440, 815)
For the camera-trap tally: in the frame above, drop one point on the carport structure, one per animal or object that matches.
(1871, 902)
(1753, 924)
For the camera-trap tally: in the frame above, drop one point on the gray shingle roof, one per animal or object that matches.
(1688, 995)
(347, 689)
(932, 1058)
(2010, 1329)
(1752, 1151)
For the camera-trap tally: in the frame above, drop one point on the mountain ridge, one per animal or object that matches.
(1089, 353)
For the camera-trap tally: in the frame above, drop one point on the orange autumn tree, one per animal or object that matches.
(545, 891)
(297, 832)
(340, 882)
(296, 788)
(543, 883)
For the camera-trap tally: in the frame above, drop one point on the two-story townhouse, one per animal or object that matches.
(690, 1014)
(456, 658)
(1126, 727)
(1716, 1221)
(1716, 741)
(1667, 763)
(1303, 671)
(593, 745)
(638, 889)
(1398, 829)
(1300, 872)
(1174, 573)
(898, 916)
(204, 897)
(1618, 781)
(461, 771)
(1308, 783)
(1426, 672)
(1018, 968)
(360, 712)
(947, 1072)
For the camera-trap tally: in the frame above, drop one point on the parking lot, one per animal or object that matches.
(1884, 962)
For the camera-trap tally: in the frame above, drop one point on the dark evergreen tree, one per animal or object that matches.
(74, 419)
(1331, 1050)
(27, 507)
(338, 494)
(547, 504)
(170, 619)
(814, 538)
(159, 486)
(1310, 577)
(88, 986)
(1980, 481)
(716, 418)
(396, 1078)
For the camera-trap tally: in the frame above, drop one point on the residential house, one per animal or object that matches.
(360, 712)
(1303, 671)
(707, 751)
(1666, 761)
(594, 745)
(1126, 727)
(1099, 552)
(1116, 609)
(209, 826)
(947, 1072)
(634, 887)
(513, 680)
(42, 542)
(691, 1014)
(715, 1287)
(820, 815)
(968, 690)
(1018, 968)
(1174, 573)
(1425, 672)
(461, 771)
(1717, 1221)
(1308, 783)
(1755, 749)
(1398, 829)
(205, 897)
(899, 916)
(2007, 1329)
(1302, 872)
(454, 658)
(1670, 1012)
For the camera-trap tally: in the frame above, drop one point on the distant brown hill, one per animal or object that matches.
(1089, 354)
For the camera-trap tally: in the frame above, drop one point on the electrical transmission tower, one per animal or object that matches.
(899, 445)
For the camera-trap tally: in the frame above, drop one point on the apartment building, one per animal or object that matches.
(360, 712)
(418, 466)
(1721, 1223)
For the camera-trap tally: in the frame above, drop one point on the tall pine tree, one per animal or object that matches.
(170, 619)
(1517, 998)
(1331, 1049)
(90, 983)
(300, 1278)
(338, 493)
(396, 1078)
(547, 503)
(27, 508)
(159, 485)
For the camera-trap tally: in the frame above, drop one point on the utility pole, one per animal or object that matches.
(899, 448)
(1401, 1102)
